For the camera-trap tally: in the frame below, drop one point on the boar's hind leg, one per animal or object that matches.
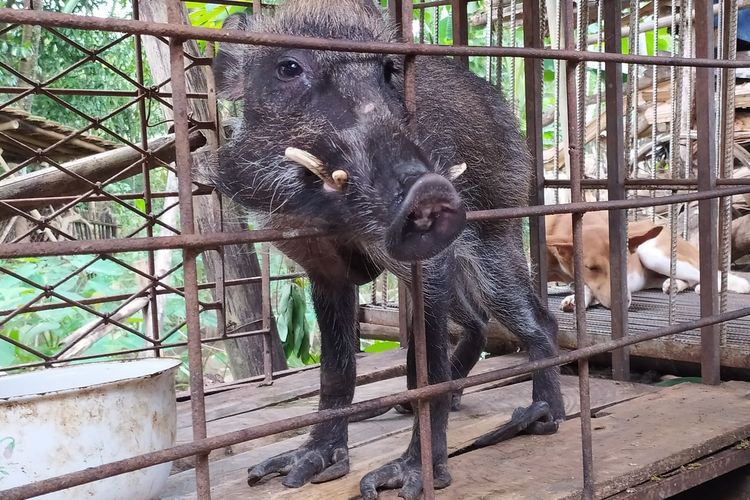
(515, 304)
(470, 316)
(324, 456)
(466, 313)
(406, 471)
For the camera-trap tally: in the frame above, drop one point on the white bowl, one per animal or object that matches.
(63, 420)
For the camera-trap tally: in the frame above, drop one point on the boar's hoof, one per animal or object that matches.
(404, 473)
(536, 419)
(315, 462)
(428, 220)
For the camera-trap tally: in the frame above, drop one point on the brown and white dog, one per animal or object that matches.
(648, 259)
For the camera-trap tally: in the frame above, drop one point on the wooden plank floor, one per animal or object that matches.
(640, 433)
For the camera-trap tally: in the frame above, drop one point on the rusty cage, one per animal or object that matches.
(708, 71)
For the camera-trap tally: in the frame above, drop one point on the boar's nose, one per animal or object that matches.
(427, 221)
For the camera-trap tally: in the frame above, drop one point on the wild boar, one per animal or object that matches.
(324, 139)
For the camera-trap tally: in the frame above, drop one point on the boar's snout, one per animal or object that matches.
(429, 218)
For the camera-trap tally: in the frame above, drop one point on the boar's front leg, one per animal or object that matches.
(406, 471)
(324, 456)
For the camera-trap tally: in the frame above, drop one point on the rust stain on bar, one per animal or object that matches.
(616, 176)
(575, 99)
(44, 18)
(708, 213)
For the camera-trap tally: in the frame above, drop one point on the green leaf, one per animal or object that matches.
(298, 318)
(382, 346)
(282, 324)
(42, 327)
(679, 380)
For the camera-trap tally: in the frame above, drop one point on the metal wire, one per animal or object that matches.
(191, 244)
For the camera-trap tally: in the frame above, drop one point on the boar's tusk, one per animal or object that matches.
(337, 180)
(305, 159)
(340, 178)
(455, 171)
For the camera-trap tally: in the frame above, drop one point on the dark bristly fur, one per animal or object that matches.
(348, 111)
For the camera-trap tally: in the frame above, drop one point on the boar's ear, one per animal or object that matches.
(229, 63)
(635, 240)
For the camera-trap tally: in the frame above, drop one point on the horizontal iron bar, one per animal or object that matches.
(95, 92)
(205, 445)
(170, 345)
(215, 240)
(54, 19)
(682, 184)
(124, 296)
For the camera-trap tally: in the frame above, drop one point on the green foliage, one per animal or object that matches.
(679, 380)
(292, 324)
(382, 346)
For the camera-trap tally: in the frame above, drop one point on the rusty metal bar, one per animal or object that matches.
(248, 434)
(403, 314)
(213, 240)
(50, 361)
(265, 288)
(420, 355)
(459, 20)
(419, 342)
(616, 174)
(187, 226)
(151, 314)
(533, 75)
(97, 92)
(44, 18)
(708, 214)
(666, 184)
(575, 76)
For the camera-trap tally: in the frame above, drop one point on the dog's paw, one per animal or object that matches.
(737, 284)
(697, 288)
(568, 304)
(680, 285)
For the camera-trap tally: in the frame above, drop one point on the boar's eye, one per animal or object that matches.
(388, 70)
(288, 69)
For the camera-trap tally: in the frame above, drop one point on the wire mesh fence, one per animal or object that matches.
(627, 107)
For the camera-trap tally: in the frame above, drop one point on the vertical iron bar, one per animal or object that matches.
(395, 11)
(618, 237)
(708, 213)
(265, 287)
(146, 172)
(418, 321)
(533, 75)
(420, 355)
(403, 313)
(575, 134)
(257, 7)
(187, 226)
(726, 149)
(460, 23)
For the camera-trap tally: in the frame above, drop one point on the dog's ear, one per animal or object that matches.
(637, 239)
(562, 250)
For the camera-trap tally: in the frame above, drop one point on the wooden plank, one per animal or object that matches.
(633, 442)
(481, 412)
(250, 397)
(296, 407)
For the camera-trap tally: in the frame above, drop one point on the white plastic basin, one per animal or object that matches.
(67, 419)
